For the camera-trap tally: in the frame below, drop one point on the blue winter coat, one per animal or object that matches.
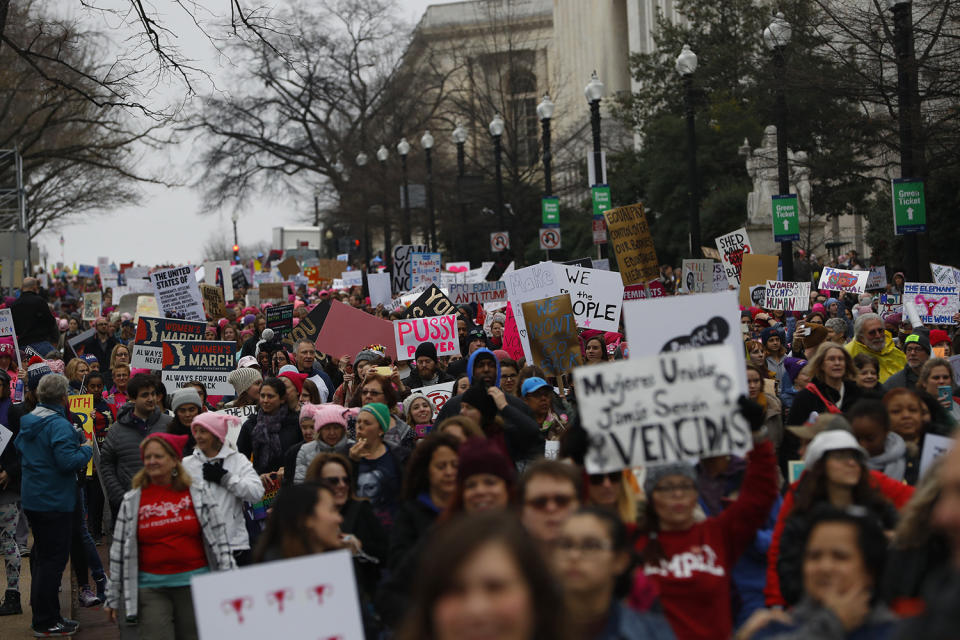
(51, 454)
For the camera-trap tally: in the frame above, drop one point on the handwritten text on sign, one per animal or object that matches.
(841, 280)
(596, 296)
(440, 330)
(936, 303)
(732, 246)
(659, 409)
(786, 296)
(553, 334)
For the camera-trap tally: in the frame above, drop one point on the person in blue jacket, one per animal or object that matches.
(51, 454)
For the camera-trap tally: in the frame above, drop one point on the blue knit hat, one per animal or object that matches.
(36, 369)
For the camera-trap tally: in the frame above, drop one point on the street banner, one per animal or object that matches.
(81, 406)
(909, 206)
(697, 276)
(401, 265)
(877, 280)
(348, 331)
(787, 296)
(7, 330)
(309, 326)
(756, 270)
(352, 278)
(840, 280)
(425, 268)
(596, 296)
(432, 302)
(665, 408)
(786, 218)
(219, 273)
(944, 274)
(480, 292)
(437, 394)
(147, 352)
(525, 285)
(281, 599)
(632, 243)
(177, 293)
(936, 303)
(206, 361)
(409, 333)
(92, 301)
(213, 302)
(732, 248)
(379, 285)
(280, 318)
(553, 334)
(511, 335)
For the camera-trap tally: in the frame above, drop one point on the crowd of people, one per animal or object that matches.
(479, 518)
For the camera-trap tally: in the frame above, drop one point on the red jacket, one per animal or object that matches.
(694, 581)
(896, 492)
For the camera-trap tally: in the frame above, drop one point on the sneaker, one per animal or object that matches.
(56, 630)
(11, 603)
(24, 551)
(101, 588)
(88, 598)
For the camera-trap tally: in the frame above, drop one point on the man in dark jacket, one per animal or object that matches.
(101, 343)
(427, 372)
(35, 325)
(120, 454)
(917, 348)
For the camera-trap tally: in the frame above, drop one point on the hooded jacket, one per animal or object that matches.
(893, 461)
(891, 359)
(120, 453)
(51, 453)
(311, 450)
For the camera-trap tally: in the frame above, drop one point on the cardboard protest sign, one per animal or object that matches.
(697, 276)
(219, 274)
(756, 270)
(511, 335)
(146, 306)
(787, 296)
(177, 293)
(147, 352)
(596, 296)
(280, 319)
(664, 408)
(313, 595)
(732, 248)
(525, 285)
(629, 234)
(271, 291)
(480, 292)
(877, 280)
(213, 302)
(944, 274)
(438, 394)
(936, 303)
(840, 280)
(425, 268)
(402, 278)
(288, 268)
(205, 361)
(7, 330)
(92, 300)
(347, 330)
(552, 332)
(440, 330)
(352, 279)
(81, 406)
(431, 302)
(379, 286)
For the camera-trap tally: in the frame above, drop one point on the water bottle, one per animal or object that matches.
(18, 391)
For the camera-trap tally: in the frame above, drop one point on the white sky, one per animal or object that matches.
(167, 225)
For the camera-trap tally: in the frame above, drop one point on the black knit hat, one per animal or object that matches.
(426, 350)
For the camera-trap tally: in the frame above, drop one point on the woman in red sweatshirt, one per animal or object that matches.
(690, 562)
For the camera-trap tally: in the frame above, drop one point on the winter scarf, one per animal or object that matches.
(893, 461)
(266, 434)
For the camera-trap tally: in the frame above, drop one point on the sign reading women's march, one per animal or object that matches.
(787, 296)
(936, 303)
(409, 333)
(177, 293)
(207, 362)
(841, 280)
(596, 296)
(311, 596)
(663, 408)
(147, 350)
(732, 246)
(552, 332)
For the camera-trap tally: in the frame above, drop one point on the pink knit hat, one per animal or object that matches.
(324, 414)
(216, 423)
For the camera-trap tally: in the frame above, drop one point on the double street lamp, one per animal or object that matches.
(686, 67)
(776, 37)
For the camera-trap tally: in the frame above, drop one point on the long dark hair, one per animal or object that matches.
(454, 544)
(286, 527)
(812, 489)
(417, 478)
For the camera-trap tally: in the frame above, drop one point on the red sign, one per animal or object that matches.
(599, 231)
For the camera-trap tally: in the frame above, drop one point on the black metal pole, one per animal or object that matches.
(692, 173)
(783, 169)
(497, 155)
(597, 154)
(547, 158)
(433, 227)
(387, 249)
(461, 170)
(903, 43)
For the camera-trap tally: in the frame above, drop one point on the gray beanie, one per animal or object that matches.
(243, 378)
(187, 395)
(659, 472)
(370, 355)
(413, 396)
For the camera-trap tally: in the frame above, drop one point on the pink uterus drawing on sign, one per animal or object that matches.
(236, 606)
(930, 303)
(279, 597)
(320, 592)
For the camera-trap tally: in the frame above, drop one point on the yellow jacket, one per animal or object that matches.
(891, 358)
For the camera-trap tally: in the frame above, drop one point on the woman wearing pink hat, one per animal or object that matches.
(229, 476)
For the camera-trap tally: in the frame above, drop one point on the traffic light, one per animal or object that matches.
(356, 243)
(236, 253)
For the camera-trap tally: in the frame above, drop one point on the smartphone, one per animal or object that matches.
(944, 394)
(383, 371)
(348, 368)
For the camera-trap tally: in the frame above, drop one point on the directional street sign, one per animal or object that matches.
(550, 210)
(786, 218)
(601, 199)
(909, 206)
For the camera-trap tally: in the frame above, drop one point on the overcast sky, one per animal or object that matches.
(168, 224)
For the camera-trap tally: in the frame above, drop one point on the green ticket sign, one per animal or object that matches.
(786, 218)
(909, 206)
(601, 199)
(550, 210)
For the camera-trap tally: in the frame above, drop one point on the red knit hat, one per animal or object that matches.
(938, 336)
(296, 378)
(172, 443)
(479, 455)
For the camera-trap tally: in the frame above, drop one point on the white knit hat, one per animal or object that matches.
(833, 440)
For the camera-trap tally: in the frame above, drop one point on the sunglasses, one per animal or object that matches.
(540, 503)
(598, 478)
(337, 480)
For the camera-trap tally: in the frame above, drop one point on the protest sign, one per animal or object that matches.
(425, 268)
(147, 352)
(431, 302)
(309, 326)
(5, 437)
(213, 302)
(81, 406)
(653, 289)
(511, 335)
(238, 280)
(596, 296)
(409, 333)
(720, 282)
(438, 394)
(347, 330)
(401, 265)
(329, 269)
(552, 332)
(934, 446)
(586, 263)
(87, 271)
(756, 270)
(632, 243)
(7, 330)
(233, 431)
(205, 361)
(288, 268)
(177, 293)
(889, 304)
(146, 306)
(92, 301)
(338, 284)
(525, 285)
(352, 279)
(480, 292)
(840, 280)
(75, 343)
(379, 285)
(271, 291)
(877, 280)
(663, 408)
(697, 276)
(787, 296)
(280, 319)
(732, 248)
(219, 274)
(936, 303)
(944, 274)
(310, 596)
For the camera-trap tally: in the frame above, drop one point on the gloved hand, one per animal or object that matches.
(213, 472)
(752, 411)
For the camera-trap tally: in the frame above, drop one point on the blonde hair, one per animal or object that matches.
(470, 427)
(113, 354)
(181, 479)
(815, 366)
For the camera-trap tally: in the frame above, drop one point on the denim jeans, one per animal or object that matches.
(83, 549)
(51, 547)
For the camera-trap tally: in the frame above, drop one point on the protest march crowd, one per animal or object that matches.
(541, 454)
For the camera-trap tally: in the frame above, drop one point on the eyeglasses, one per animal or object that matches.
(337, 480)
(598, 478)
(370, 392)
(590, 546)
(540, 503)
(675, 488)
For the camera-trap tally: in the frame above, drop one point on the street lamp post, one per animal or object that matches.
(460, 139)
(361, 161)
(403, 148)
(777, 37)
(382, 156)
(496, 132)
(594, 93)
(686, 67)
(427, 143)
(545, 113)
(235, 217)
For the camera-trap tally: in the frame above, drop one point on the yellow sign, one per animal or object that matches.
(82, 407)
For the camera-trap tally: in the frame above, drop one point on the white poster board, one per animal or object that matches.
(934, 446)
(379, 285)
(438, 394)
(7, 330)
(720, 282)
(409, 333)
(526, 285)
(425, 268)
(786, 296)
(935, 303)
(843, 280)
(595, 295)
(697, 276)
(220, 273)
(944, 274)
(5, 437)
(732, 246)
(177, 293)
(877, 280)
